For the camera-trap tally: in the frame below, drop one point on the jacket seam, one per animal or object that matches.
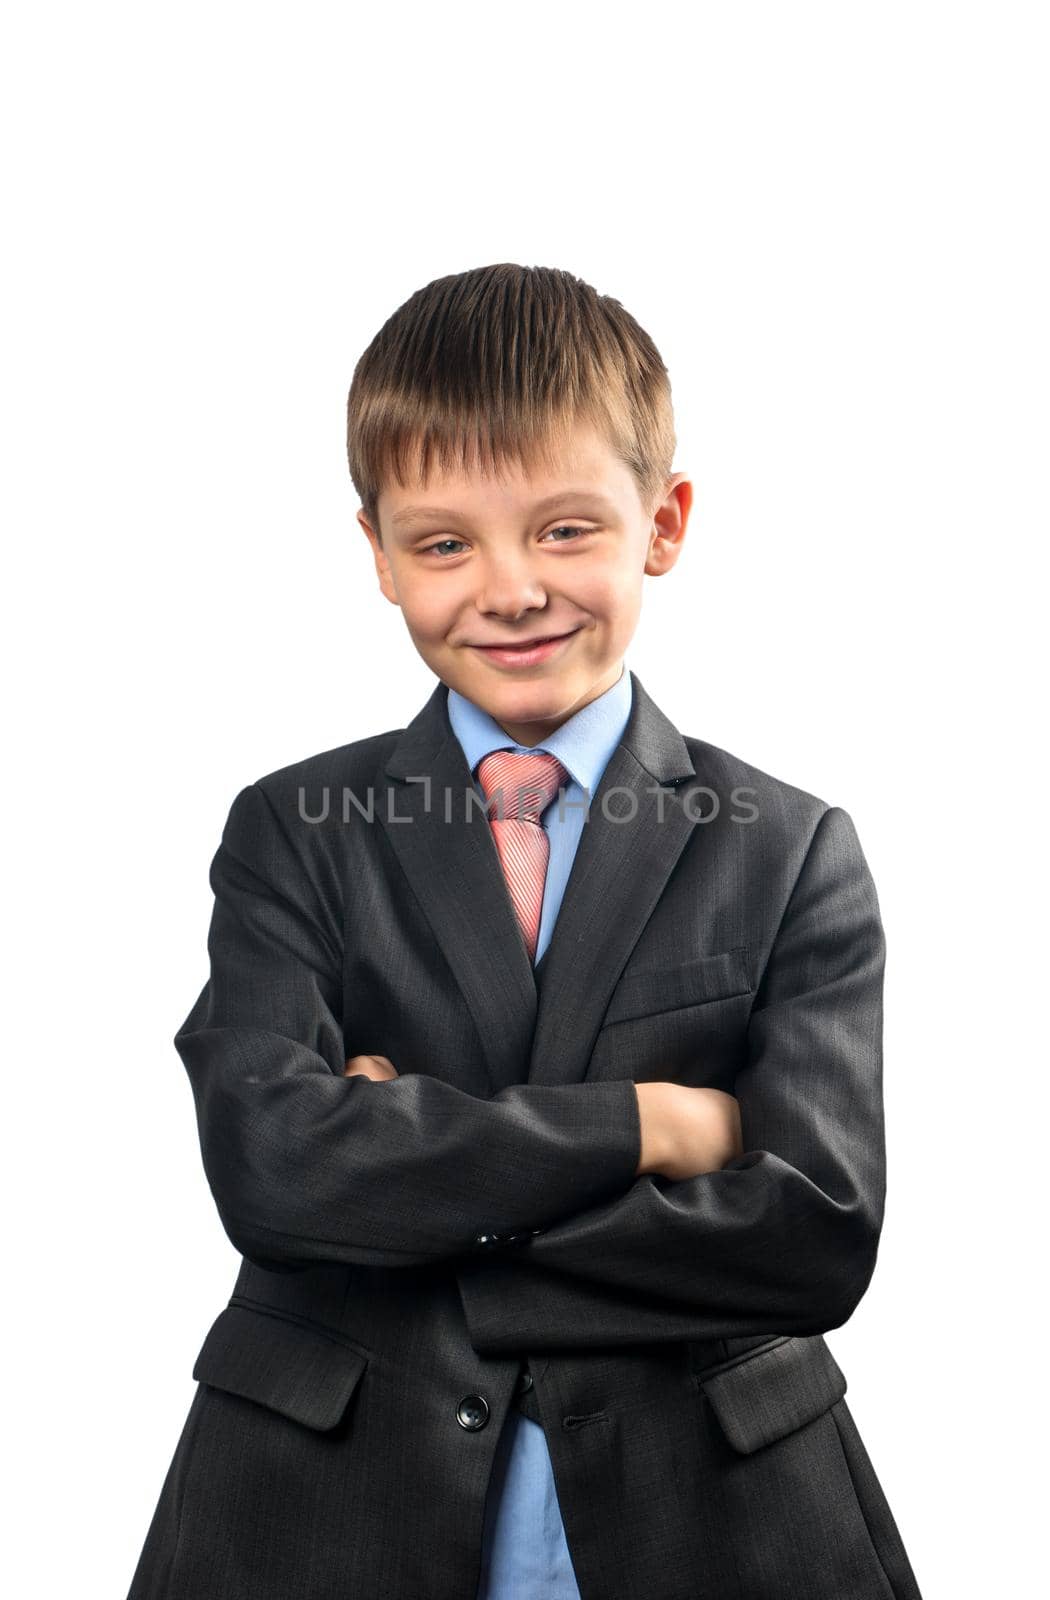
(790, 899)
(335, 957)
(188, 1461)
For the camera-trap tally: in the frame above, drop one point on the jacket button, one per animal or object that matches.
(472, 1412)
(524, 1382)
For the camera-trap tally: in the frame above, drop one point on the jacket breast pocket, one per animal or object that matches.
(699, 981)
(762, 1397)
(304, 1372)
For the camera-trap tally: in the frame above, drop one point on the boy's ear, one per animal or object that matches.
(669, 524)
(383, 573)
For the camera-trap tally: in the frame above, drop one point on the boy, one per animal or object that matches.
(538, 1072)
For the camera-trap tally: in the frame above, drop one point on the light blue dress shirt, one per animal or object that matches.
(524, 1552)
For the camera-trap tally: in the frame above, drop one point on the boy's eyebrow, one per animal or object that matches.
(593, 497)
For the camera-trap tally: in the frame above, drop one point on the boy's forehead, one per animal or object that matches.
(578, 460)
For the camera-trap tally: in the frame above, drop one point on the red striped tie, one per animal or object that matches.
(519, 787)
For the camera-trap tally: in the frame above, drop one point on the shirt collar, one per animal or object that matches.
(583, 744)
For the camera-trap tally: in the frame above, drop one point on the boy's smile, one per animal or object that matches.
(522, 591)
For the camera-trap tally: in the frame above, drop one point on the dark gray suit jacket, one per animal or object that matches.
(408, 1245)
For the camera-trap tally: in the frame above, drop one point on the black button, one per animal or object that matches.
(524, 1382)
(472, 1412)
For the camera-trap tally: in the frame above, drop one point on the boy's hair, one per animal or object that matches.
(488, 365)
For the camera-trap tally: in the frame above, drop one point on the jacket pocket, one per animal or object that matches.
(762, 1397)
(301, 1370)
(686, 983)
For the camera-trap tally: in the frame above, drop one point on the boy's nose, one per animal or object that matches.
(509, 592)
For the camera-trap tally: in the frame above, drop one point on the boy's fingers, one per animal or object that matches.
(379, 1068)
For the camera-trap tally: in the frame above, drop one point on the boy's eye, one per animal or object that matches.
(568, 528)
(432, 549)
(441, 547)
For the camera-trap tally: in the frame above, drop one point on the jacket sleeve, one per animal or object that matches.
(307, 1165)
(784, 1238)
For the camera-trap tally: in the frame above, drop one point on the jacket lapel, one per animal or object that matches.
(454, 871)
(538, 1026)
(627, 851)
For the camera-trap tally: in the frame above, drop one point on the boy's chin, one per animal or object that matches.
(540, 696)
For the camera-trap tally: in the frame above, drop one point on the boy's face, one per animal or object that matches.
(476, 562)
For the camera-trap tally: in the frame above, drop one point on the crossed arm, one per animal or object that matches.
(783, 1237)
(310, 1163)
(684, 1131)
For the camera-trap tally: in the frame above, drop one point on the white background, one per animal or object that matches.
(832, 220)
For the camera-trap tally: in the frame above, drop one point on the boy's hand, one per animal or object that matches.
(687, 1131)
(377, 1067)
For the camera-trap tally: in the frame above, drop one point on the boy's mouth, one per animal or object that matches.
(525, 654)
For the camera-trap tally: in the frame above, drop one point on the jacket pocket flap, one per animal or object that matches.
(763, 1397)
(686, 983)
(303, 1372)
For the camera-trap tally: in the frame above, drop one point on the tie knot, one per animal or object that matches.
(520, 786)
